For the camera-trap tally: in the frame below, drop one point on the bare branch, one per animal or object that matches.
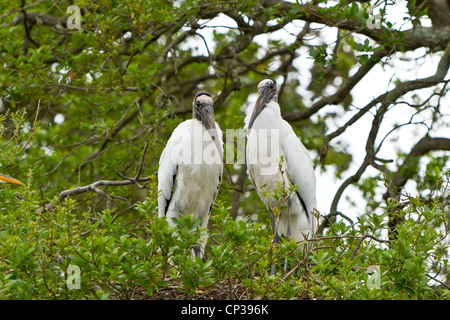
(340, 94)
(94, 187)
(40, 18)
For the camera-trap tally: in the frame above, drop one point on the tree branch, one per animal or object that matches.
(340, 94)
(386, 99)
(399, 179)
(94, 187)
(435, 39)
(40, 18)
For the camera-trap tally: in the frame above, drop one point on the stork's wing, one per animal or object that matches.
(299, 167)
(220, 182)
(167, 172)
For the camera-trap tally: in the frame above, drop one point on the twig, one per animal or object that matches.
(136, 179)
(32, 131)
(435, 279)
(94, 187)
(362, 238)
(25, 24)
(349, 236)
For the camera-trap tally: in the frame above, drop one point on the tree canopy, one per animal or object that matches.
(88, 102)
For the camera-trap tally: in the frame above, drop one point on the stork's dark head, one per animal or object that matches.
(267, 91)
(202, 102)
(267, 87)
(203, 111)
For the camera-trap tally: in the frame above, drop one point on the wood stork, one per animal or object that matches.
(269, 140)
(4, 178)
(191, 166)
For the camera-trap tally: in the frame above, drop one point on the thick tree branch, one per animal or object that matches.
(438, 10)
(399, 179)
(391, 96)
(40, 18)
(340, 94)
(435, 39)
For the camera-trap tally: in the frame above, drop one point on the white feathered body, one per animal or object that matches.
(270, 139)
(190, 173)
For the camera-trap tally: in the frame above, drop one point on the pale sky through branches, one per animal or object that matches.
(398, 67)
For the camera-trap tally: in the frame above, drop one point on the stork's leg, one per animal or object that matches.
(272, 221)
(288, 232)
(276, 237)
(276, 240)
(197, 252)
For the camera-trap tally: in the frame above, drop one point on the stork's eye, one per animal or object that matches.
(271, 85)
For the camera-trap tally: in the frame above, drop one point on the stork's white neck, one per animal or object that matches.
(272, 107)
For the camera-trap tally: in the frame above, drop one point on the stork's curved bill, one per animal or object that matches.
(206, 114)
(4, 178)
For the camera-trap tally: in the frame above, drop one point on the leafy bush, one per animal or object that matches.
(116, 262)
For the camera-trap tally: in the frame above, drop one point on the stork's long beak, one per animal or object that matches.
(209, 122)
(4, 178)
(259, 105)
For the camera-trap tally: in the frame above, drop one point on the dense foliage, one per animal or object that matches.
(85, 114)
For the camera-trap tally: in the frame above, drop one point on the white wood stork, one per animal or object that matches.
(266, 129)
(191, 166)
(4, 178)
